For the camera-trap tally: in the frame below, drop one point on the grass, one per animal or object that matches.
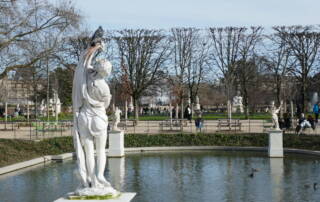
(105, 197)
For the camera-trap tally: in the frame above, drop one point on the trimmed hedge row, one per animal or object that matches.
(133, 140)
(12, 151)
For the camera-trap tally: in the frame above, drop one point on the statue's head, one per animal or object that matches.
(272, 103)
(103, 67)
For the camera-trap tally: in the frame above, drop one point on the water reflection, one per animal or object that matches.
(116, 167)
(204, 176)
(276, 176)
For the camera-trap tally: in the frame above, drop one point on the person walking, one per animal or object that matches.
(316, 111)
(187, 113)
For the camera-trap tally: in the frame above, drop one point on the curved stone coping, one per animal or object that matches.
(61, 157)
(223, 148)
(24, 164)
(36, 161)
(189, 148)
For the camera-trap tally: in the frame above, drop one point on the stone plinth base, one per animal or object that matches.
(124, 197)
(275, 143)
(116, 144)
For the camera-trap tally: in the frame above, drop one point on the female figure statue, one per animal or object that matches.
(91, 96)
(117, 115)
(274, 112)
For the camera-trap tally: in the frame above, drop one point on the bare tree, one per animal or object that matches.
(26, 22)
(277, 63)
(189, 59)
(246, 68)
(143, 54)
(198, 69)
(303, 42)
(225, 51)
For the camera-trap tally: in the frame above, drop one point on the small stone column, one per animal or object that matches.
(116, 144)
(275, 143)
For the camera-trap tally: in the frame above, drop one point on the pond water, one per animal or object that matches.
(198, 176)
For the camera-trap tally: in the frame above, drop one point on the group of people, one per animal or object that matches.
(308, 122)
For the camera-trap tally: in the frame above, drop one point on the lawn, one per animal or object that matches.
(211, 116)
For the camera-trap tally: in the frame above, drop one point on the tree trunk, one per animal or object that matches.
(182, 110)
(136, 109)
(303, 97)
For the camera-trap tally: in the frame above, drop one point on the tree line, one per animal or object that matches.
(41, 43)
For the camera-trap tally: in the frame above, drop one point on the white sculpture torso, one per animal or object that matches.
(237, 103)
(117, 114)
(91, 96)
(198, 107)
(274, 113)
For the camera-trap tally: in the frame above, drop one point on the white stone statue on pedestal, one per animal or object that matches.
(198, 107)
(42, 108)
(91, 96)
(57, 103)
(17, 110)
(274, 112)
(117, 115)
(131, 107)
(237, 103)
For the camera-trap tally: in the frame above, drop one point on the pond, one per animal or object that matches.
(197, 176)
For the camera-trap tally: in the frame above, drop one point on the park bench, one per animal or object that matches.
(174, 124)
(127, 123)
(229, 124)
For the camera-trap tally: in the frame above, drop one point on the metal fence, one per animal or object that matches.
(35, 130)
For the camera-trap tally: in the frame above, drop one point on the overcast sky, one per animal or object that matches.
(116, 14)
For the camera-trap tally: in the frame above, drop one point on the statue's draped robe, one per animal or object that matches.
(91, 96)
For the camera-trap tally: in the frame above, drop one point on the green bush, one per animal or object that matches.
(144, 140)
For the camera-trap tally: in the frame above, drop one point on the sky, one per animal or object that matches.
(165, 14)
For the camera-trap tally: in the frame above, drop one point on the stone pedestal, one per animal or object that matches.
(275, 143)
(116, 144)
(124, 197)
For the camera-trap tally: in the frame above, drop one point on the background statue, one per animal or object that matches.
(91, 96)
(198, 107)
(274, 112)
(117, 115)
(237, 103)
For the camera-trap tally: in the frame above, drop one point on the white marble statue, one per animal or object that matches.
(131, 107)
(42, 108)
(91, 96)
(117, 114)
(237, 103)
(57, 103)
(198, 107)
(274, 112)
(17, 110)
